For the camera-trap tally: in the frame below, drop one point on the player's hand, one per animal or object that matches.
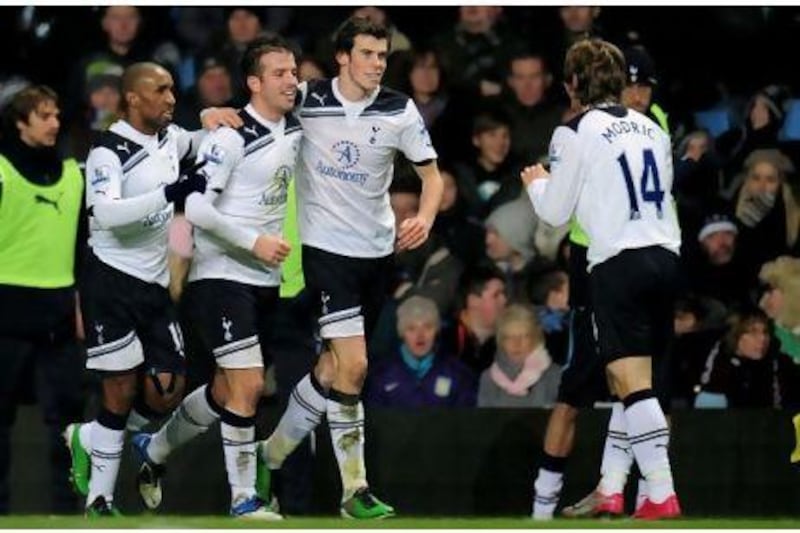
(214, 117)
(532, 173)
(413, 233)
(271, 249)
(194, 181)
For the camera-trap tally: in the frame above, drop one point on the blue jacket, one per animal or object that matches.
(448, 383)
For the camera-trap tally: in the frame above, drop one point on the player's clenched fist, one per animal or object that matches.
(271, 249)
(532, 173)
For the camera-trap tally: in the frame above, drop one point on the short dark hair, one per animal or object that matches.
(474, 281)
(25, 102)
(355, 26)
(251, 60)
(490, 121)
(599, 68)
(523, 54)
(542, 285)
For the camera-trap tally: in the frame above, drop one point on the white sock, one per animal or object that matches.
(617, 454)
(136, 421)
(106, 454)
(641, 492)
(303, 414)
(547, 489)
(346, 422)
(239, 447)
(192, 417)
(85, 435)
(648, 434)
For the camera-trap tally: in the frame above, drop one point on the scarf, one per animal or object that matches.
(531, 371)
(790, 342)
(418, 365)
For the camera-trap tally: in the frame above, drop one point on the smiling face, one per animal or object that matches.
(150, 98)
(363, 66)
(275, 87)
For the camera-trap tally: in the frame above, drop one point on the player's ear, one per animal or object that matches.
(254, 84)
(132, 98)
(342, 58)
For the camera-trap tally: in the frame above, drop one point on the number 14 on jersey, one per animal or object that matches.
(649, 177)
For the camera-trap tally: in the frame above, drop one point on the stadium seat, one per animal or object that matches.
(791, 124)
(715, 121)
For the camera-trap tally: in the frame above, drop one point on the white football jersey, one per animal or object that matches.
(347, 163)
(612, 166)
(250, 169)
(125, 165)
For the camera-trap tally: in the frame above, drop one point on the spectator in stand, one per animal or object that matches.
(123, 47)
(781, 302)
(214, 88)
(475, 51)
(472, 337)
(419, 374)
(549, 292)
(460, 232)
(101, 107)
(716, 271)
(763, 121)
(517, 242)
(742, 368)
(578, 23)
(699, 325)
(447, 117)
(767, 211)
(696, 185)
(523, 374)
(525, 101)
(244, 24)
(490, 179)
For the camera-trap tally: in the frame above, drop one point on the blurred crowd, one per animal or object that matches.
(479, 315)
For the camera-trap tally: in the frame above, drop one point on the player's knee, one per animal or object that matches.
(246, 390)
(325, 370)
(353, 369)
(164, 391)
(119, 390)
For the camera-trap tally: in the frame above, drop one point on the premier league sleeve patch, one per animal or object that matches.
(101, 179)
(215, 154)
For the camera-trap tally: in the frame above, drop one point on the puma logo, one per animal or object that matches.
(319, 98)
(124, 148)
(251, 130)
(44, 200)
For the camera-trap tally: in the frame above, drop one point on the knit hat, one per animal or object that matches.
(715, 223)
(639, 66)
(775, 96)
(516, 223)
